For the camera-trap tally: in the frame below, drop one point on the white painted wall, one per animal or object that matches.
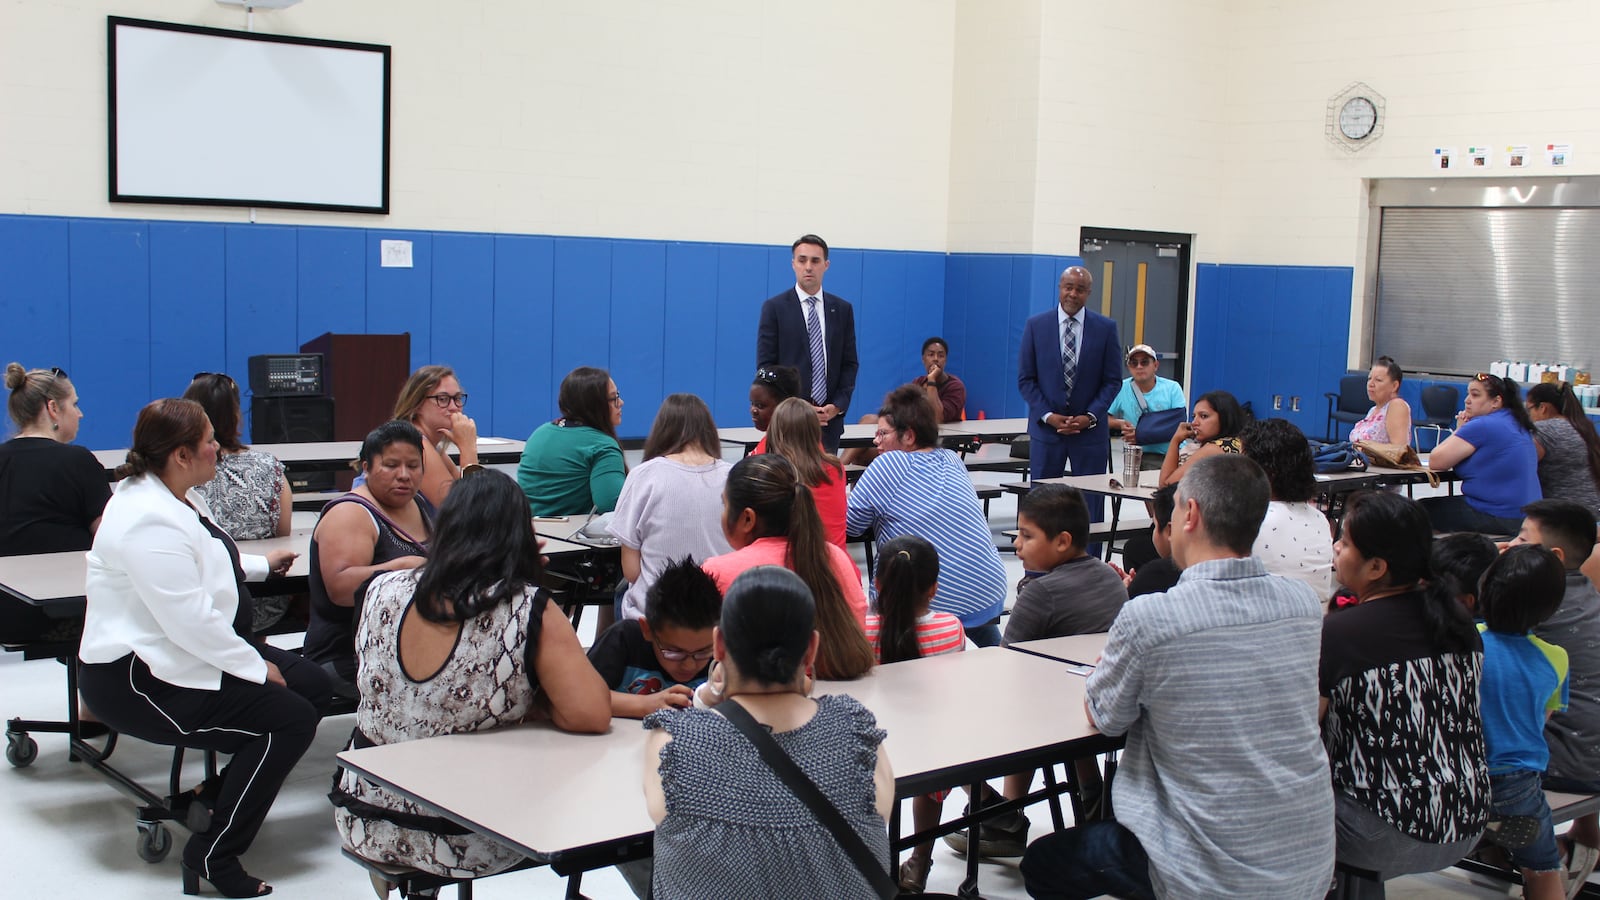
(686, 119)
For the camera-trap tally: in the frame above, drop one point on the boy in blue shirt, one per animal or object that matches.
(657, 662)
(1524, 681)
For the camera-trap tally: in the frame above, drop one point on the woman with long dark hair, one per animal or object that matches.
(573, 466)
(1295, 540)
(726, 826)
(1494, 454)
(671, 506)
(1569, 448)
(1218, 419)
(468, 642)
(1399, 684)
(770, 518)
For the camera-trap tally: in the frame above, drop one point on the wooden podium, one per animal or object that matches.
(363, 373)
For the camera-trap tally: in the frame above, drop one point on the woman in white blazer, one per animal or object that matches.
(163, 652)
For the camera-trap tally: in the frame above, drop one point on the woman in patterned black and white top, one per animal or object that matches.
(250, 495)
(1399, 683)
(462, 644)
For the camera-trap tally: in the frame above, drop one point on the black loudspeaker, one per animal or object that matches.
(294, 420)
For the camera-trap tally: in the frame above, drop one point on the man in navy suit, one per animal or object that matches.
(814, 332)
(1069, 371)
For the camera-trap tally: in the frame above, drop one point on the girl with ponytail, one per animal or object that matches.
(905, 627)
(1568, 447)
(770, 518)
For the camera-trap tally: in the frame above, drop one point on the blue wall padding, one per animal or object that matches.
(463, 302)
(109, 327)
(688, 331)
(133, 308)
(521, 336)
(332, 283)
(1261, 331)
(187, 318)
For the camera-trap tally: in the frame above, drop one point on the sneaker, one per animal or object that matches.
(1579, 867)
(1007, 838)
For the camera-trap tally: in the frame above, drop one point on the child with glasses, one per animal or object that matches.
(657, 662)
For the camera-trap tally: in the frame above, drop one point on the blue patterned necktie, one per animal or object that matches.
(819, 355)
(1069, 354)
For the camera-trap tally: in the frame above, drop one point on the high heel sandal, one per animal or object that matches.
(234, 882)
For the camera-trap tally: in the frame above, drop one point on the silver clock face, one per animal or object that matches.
(1357, 118)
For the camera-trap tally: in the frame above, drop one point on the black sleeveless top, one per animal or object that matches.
(331, 633)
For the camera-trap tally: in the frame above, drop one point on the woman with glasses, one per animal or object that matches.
(1494, 454)
(573, 466)
(915, 487)
(468, 642)
(51, 492)
(434, 402)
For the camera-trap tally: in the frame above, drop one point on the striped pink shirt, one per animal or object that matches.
(937, 633)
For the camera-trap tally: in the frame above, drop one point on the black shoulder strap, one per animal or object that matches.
(804, 788)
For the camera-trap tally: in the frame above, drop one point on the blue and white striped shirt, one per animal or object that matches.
(929, 494)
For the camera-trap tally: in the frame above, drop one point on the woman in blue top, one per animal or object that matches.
(915, 487)
(1494, 454)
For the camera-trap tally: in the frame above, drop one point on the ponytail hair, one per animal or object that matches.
(795, 435)
(908, 567)
(1566, 402)
(769, 486)
(1395, 529)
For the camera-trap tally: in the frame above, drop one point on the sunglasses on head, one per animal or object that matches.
(767, 376)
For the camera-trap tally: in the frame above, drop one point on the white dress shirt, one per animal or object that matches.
(822, 317)
(161, 587)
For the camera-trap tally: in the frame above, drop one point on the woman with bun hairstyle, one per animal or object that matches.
(726, 826)
(165, 654)
(52, 492)
(772, 386)
(770, 519)
(1568, 447)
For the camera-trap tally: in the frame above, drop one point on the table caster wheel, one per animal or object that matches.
(155, 842)
(21, 750)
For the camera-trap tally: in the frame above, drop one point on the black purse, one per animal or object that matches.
(789, 772)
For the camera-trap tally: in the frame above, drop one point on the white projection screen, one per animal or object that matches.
(231, 118)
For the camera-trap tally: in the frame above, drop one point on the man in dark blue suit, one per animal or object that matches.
(814, 332)
(1069, 371)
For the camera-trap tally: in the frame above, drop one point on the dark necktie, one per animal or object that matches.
(1069, 355)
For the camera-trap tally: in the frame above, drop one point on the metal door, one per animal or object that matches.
(1141, 281)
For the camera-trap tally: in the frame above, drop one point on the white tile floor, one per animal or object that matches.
(67, 832)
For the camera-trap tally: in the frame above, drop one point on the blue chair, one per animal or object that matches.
(1439, 405)
(1347, 407)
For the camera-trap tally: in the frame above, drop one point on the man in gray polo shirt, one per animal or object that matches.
(1224, 788)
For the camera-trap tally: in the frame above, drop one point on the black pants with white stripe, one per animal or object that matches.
(265, 727)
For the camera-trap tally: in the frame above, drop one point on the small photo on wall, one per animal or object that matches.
(1558, 154)
(1443, 157)
(1517, 156)
(1479, 157)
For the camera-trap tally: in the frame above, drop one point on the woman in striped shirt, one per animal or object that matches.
(914, 487)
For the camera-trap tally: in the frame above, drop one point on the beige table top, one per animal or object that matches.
(992, 428)
(951, 719)
(1096, 484)
(856, 435)
(1084, 649)
(43, 577)
(337, 454)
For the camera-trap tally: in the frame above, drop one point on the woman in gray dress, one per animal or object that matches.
(726, 826)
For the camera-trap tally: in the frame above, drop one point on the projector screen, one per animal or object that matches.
(230, 118)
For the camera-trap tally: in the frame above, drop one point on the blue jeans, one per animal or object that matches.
(1452, 514)
(1087, 861)
(1521, 793)
(984, 635)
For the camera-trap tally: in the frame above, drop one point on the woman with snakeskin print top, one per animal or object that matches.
(1399, 681)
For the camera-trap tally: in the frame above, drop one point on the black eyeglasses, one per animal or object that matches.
(57, 372)
(445, 401)
(199, 375)
(681, 655)
(767, 376)
(615, 399)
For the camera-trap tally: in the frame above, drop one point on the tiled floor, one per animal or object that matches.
(67, 832)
